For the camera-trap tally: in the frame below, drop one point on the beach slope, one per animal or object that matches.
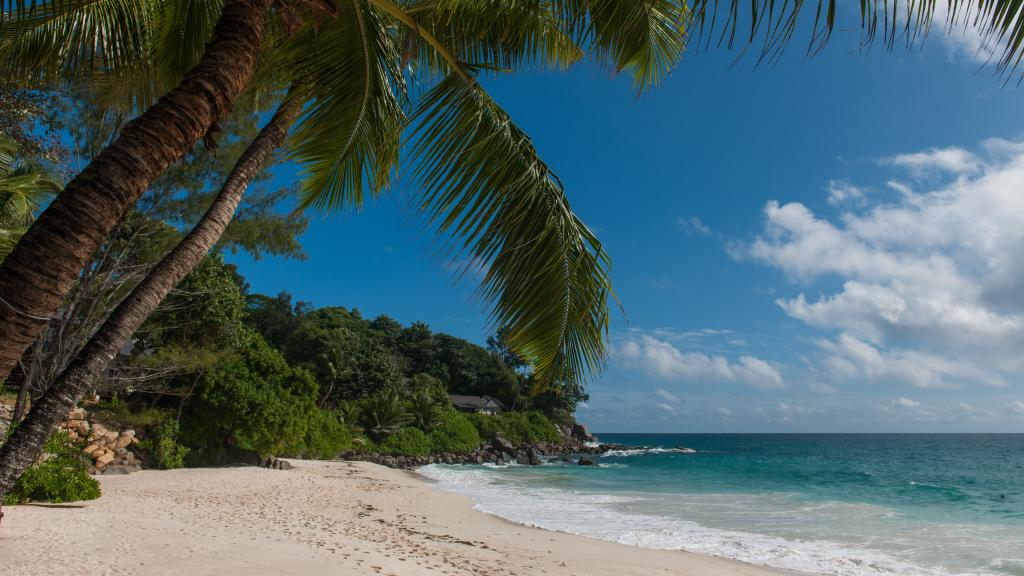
(319, 518)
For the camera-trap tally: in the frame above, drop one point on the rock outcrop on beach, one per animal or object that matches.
(501, 451)
(109, 450)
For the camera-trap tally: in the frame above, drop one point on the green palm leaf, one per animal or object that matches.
(774, 25)
(645, 38)
(57, 41)
(23, 190)
(485, 187)
(349, 137)
(499, 34)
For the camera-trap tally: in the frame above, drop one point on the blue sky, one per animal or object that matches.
(823, 245)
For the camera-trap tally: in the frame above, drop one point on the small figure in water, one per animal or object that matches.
(1002, 496)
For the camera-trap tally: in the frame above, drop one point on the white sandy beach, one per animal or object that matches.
(318, 518)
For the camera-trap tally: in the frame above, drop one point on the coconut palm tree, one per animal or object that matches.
(23, 190)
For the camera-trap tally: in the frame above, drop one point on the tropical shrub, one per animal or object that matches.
(486, 426)
(167, 453)
(252, 400)
(454, 433)
(406, 441)
(423, 411)
(516, 427)
(432, 387)
(348, 413)
(540, 428)
(383, 414)
(326, 435)
(62, 477)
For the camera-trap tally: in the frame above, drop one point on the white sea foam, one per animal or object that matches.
(642, 451)
(635, 520)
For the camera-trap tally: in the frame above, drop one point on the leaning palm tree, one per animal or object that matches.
(23, 190)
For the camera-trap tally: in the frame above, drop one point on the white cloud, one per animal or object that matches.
(852, 358)
(953, 160)
(693, 226)
(667, 409)
(1016, 407)
(724, 411)
(840, 192)
(664, 360)
(666, 395)
(930, 280)
(905, 402)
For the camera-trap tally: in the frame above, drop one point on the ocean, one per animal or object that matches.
(842, 504)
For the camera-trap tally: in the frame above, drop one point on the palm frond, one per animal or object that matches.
(62, 40)
(774, 26)
(23, 190)
(485, 188)
(504, 34)
(176, 39)
(348, 138)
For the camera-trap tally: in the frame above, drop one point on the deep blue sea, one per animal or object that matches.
(844, 504)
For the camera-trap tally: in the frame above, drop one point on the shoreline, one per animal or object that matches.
(321, 517)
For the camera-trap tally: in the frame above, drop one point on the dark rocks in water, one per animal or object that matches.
(502, 444)
(531, 456)
(580, 432)
(584, 461)
(685, 450)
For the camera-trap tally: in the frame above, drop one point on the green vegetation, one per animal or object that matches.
(252, 400)
(24, 187)
(167, 453)
(516, 427)
(61, 477)
(326, 436)
(454, 433)
(407, 441)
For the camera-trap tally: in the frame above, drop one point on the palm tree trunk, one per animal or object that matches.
(24, 445)
(39, 272)
(20, 379)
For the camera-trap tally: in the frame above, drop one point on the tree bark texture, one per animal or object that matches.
(40, 271)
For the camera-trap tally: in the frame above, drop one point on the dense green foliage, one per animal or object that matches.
(167, 453)
(326, 436)
(454, 433)
(407, 441)
(353, 358)
(61, 477)
(517, 427)
(251, 400)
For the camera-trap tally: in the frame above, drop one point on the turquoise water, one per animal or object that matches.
(864, 505)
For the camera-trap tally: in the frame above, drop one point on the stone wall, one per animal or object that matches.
(111, 451)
